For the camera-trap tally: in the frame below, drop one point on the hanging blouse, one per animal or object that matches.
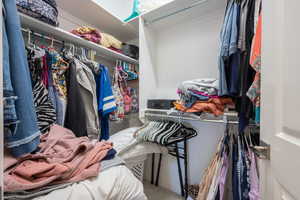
(255, 62)
(46, 114)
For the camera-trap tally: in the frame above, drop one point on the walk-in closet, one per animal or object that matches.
(149, 100)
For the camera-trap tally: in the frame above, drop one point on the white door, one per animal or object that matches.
(280, 123)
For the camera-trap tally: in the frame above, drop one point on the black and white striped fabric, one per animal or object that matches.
(164, 132)
(46, 114)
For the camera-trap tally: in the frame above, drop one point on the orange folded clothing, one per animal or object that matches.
(215, 106)
(63, 158)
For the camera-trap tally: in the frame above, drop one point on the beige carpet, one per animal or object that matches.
(158, 193)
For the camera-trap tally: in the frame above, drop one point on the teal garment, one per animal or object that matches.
(257, 115)
(135, 11)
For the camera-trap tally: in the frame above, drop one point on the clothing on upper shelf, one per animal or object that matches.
(57, 161)
(197, 90)
(98, 37)
(88, 33)
(108, 41)
(22, 137)
(44, 10)
(215, 106)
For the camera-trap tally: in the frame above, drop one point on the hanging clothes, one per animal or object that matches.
(86, 80)
(105, 99)
(164, 133)
(247, 73)
(46, 114)
(25, 138)
(232, 173)
(229, 39)
(75, 119)
(45, 110)
(57, 84)
(119, 114)
(235, 72)
(255, 61)
(9, 105)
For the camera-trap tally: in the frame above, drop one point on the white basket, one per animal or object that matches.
(136, 165)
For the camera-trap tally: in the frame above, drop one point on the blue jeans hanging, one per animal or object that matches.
(26, 138)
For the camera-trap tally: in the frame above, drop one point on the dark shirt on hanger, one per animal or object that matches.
(75, 114)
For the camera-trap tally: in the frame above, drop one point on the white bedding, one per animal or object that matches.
(128, 148)
(115, 183)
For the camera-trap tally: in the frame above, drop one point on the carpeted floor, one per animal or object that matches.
(158, 193)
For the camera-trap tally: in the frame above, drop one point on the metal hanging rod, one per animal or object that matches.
(42, 36)
(161, 115)
(197, 3)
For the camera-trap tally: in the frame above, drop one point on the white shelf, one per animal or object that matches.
(176, 11)
(93, 13)
(60, 34)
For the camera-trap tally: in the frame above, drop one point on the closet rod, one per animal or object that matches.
(184, 118)
(197, 3)
(165, 116)
(42, 36)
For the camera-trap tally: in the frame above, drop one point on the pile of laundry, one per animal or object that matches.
(62, 158)
(201, 95)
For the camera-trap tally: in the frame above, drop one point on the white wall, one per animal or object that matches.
(180, 51)
(119, 8)
(180, 48)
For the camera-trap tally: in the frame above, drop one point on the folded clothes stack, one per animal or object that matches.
(98, 37)
(43, 10)
(201, 95)
(88, 33)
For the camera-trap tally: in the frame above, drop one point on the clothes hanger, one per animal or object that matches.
(63, 48)
(38, 52)
(69, 54)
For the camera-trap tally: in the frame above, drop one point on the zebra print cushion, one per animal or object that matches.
(46, 114)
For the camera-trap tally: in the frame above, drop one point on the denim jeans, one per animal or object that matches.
(229, 43)
(26, 138)
(59, 103)
(10, 115)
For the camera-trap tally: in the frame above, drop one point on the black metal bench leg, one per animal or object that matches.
(152, 169)
(179, 170)
(186, 168)
(158, 169)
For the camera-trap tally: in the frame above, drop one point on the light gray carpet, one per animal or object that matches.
(158, 193)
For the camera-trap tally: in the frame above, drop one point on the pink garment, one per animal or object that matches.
(204, 94)
(63, 158)
(254, 181)
(223, 175)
